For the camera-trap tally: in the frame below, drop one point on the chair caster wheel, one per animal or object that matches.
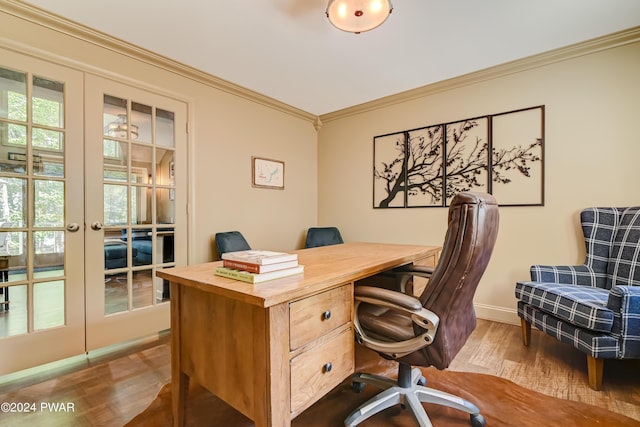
(357, 386)
(477, 420)
(422, 381)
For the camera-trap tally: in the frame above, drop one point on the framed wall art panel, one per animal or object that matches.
(518, 167)
(425, 167)
(389, 170)
(467, 152)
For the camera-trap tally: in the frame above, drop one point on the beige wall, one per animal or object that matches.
(226, 129)
(592, 150)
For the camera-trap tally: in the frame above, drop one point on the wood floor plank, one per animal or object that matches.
(110, 390)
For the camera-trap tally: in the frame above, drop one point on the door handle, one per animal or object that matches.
(73, 227)
(96, 225)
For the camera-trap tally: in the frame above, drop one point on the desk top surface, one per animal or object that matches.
(324, 268)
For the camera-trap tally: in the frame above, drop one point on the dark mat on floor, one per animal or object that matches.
(501, 402)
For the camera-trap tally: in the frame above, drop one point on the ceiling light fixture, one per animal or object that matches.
(357, 16)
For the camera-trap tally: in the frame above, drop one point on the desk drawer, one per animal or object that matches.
(313, 317)
(316, 371)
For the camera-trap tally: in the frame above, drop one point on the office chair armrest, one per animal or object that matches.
(426, 320)
(386, 297)
(400, 278)
(414, 270)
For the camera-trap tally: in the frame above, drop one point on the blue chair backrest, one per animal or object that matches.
(231, 241)
(323, 236)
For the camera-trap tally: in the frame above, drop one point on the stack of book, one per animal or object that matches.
(256, 266)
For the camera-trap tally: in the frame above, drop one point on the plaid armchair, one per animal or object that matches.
(595, 306)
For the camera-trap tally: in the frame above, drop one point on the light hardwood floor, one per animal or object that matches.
(109, 390)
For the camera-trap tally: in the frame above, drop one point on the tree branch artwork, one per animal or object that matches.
(428, 166)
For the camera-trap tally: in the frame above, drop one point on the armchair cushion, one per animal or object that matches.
(596, 344)
(583, 306)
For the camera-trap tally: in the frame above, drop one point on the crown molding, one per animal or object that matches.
(65, 26)
(78, 31)
(610, 41)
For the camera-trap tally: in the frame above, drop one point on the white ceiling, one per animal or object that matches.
(286, 49)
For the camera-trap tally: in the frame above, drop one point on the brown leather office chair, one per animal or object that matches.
(431, 329)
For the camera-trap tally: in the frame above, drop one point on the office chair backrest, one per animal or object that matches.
(322, 236)
(231, 241)
(469, 242)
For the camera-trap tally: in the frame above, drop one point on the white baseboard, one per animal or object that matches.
(497, 314)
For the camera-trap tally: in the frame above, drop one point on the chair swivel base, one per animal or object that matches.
(411, 396)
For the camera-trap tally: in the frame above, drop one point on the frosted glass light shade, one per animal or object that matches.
(357, 16)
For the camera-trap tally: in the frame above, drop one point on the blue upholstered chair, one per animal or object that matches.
(594, 307)
(323, 236)
(231, 241)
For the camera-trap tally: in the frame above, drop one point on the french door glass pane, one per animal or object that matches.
(162, 287)
(13, 89)
(141, 205)
(49, 254)
(17, 256)
(48, 102)
(141, 118)
(48, 203)
(116, 252)
(16, 135)
(165, 172)
(115, 204)
(49, 139)
(166, 246)
(18, 311)
(47, 163)
(48, 300)
(116, 294)
(141, 161)
(13, 138)
(115, 118)
(165, 128)
(142, 288)
(166, 205)
(13, 198)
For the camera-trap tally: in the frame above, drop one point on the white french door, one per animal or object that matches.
(135, 208)
(92, 204)
(41, 212)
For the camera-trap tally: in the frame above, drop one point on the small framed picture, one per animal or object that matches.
(267, 173)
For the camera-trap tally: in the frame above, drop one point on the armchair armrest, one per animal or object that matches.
(568, 275)
(624, 301)
(425, 320)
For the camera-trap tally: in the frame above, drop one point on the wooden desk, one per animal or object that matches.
(273, 349)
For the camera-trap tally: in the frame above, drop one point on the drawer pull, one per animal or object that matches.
(327, 367)
(326, 315)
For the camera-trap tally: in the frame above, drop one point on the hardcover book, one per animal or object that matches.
(257, 268)
(260, 257)
(245, 276)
